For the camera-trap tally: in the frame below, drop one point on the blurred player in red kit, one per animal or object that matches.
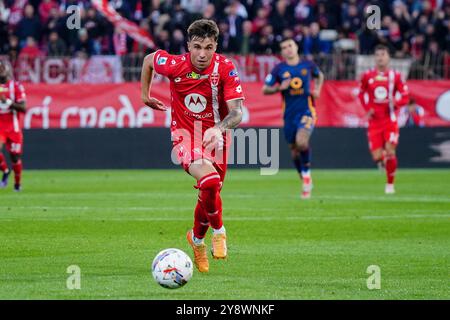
(206, 100)
(12, 104)
(379, 88)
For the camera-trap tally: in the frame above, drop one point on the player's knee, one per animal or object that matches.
(209, 187)
(302, 145)
(390, 153)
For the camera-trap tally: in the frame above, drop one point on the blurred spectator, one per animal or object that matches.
(248, 39)
(194, 7)
(281, 17)
(262, 18)
(56, 46)
(30, 50)
(13, 48)
(313, 44)
(209, 12)
(163, 40)
(178, 44)
(44, 10)
(303, 12)
(367, 40)
(84, 46)
(411, 115)
(29, 26)
(235, 22)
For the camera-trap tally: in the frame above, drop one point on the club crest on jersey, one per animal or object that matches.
(286, 74)
(161, 61)
(214, 79)
(304, 72)
(195, 102)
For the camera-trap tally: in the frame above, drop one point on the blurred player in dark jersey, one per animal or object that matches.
(12, 105)
(378, 91)
(207, 98)
(292, 78)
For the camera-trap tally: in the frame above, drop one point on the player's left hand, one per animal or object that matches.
(315, 94)
(212, 136)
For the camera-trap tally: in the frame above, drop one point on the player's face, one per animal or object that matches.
(202, 51)
(381, 58)
(289, 49)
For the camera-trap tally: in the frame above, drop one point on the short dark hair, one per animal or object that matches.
(284, 39)
(203, 28)
(381, 47)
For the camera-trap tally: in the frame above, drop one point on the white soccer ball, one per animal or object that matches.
(172, 268)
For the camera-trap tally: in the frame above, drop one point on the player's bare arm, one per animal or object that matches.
(146, 83)
(276, 88)
(232, 120)
(318, 83)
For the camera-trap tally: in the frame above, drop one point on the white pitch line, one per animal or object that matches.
(230, 195)
(297, 218)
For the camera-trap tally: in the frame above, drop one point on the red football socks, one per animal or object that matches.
(210, 203)
(391, 167)
(3, 165)
(17, 168)
(201, 223)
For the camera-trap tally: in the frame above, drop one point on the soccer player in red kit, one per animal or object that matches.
(12, 104)
(206, 100)
(382, 93)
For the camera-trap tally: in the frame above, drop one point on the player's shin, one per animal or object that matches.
(305, 159)
(201, 223)
(3, 165)
(295, 155)
(17, 168)
(391, 167)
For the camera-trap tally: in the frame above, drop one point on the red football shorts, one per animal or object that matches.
(13, 141)
(379, 134)
(185, 154)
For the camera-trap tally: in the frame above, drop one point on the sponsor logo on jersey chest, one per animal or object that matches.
(195, 102)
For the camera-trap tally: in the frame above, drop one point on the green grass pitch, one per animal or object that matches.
(112, 223)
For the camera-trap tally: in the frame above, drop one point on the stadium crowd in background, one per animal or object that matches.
(409, 28)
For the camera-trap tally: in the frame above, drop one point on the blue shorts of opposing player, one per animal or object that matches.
(293, 124)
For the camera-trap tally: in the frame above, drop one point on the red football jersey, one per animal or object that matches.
(198, 96)
(381, 89)
(9, 119)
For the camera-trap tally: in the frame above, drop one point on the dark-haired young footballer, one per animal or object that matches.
(12, 104)
(206, 97)
(382, 93)
(292, 78)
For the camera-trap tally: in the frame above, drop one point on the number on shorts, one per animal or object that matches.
(16, 147)
(393, 137)
(307, 121)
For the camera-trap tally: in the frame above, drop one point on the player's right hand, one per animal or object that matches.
(154, 103)
(285, 84)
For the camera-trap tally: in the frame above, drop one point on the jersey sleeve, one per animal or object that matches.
(20, 95)
(315, 71)
(363, 90)
(272, 77)
(402, 90)
(232, 88)
(161, 63)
